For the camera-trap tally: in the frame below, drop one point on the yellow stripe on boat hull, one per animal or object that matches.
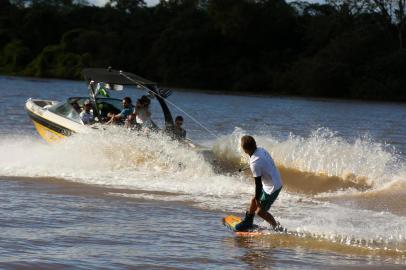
(48, 134)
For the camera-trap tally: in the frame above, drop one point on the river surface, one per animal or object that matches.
(111, 199)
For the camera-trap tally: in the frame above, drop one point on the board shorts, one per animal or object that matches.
(266, 200)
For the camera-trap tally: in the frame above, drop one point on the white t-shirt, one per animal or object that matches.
(262, 164)
(86, 117)
(142, 116)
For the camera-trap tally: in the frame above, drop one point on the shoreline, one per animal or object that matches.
(229, 93)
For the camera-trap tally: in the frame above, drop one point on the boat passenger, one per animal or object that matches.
(86, 115)
(178, 132)
(128, 109)
(142, 114)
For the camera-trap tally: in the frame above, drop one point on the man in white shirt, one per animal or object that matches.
(86, 115)
(268, 184)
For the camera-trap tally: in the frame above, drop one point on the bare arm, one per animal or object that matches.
(258, 187)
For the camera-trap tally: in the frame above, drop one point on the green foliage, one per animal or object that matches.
(345, 49)
(14, 57)
(55, 62)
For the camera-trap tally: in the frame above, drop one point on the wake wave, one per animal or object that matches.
(322, 162)
(115, 157)
(158, 168)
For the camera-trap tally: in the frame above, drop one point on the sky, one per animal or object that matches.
(154, 2)
(102, 2)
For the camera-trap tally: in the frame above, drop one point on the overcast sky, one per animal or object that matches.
(154, 2)
(102, 2)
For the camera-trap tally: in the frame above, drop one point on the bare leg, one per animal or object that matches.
(268, 217)
(253, 206)
(263, 214)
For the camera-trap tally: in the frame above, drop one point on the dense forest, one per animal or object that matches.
(338, 48)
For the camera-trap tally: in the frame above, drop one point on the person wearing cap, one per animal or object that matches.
(86, 115)
(268, 184)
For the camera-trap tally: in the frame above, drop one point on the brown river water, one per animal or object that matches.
(113, 200)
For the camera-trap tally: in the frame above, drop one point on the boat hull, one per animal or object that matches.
(46, 133)
(50, 127)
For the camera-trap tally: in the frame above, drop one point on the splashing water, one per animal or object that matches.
(148, 164)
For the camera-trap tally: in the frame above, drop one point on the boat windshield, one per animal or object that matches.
(104, 105)
(66, 109)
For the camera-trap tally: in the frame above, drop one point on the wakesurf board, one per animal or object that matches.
(232, 221)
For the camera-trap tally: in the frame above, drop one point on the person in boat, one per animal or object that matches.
(86, 115)
(178, 132)
(128, 109)
(141, 117)
(268, 184)
(142, 112)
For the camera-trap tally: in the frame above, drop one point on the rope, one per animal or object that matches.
(176, 106)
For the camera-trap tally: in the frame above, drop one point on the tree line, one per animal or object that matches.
(338, 48)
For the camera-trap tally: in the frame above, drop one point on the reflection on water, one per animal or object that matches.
(287, 251)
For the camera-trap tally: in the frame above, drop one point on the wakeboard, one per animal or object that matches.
(231, 221)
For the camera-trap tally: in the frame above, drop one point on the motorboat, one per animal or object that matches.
(55, 120)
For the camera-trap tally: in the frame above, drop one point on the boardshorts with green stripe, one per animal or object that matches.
(266, 200)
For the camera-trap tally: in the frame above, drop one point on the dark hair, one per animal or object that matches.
(180, 118)
(127, 99)
(248, 143)
(144, 100)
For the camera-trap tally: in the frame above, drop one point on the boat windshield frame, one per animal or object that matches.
(66, 110)
(95, 76)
